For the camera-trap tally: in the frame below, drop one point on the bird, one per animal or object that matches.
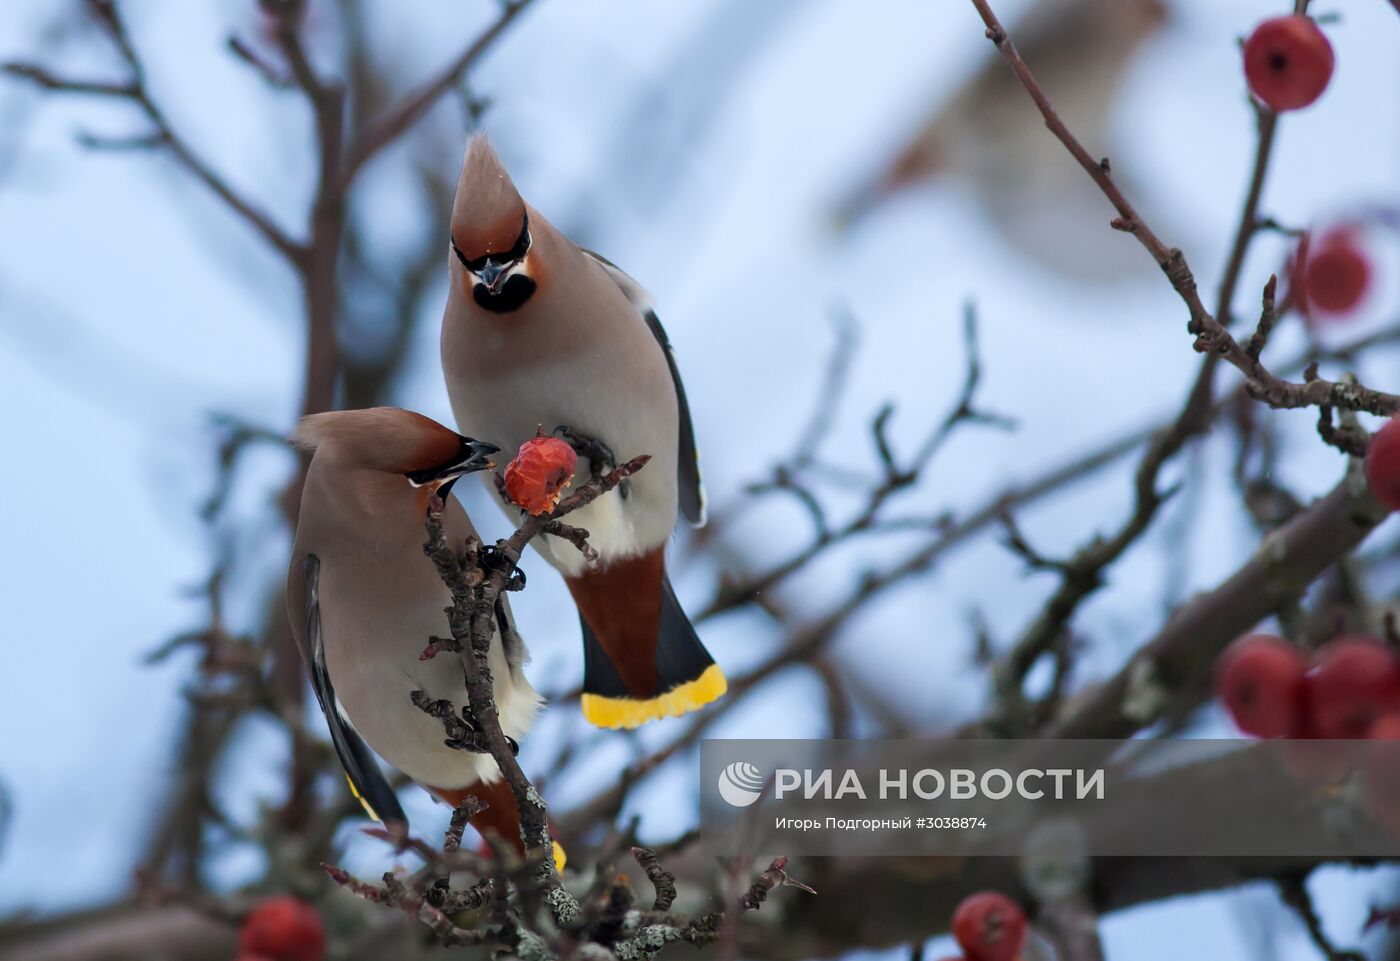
(363, 601)
(539, 332)
(990, 137)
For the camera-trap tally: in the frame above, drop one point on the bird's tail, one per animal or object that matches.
(641, 657)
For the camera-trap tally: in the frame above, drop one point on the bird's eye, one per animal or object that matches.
(475, 265)
(516, 253)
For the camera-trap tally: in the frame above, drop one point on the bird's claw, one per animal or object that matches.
(599, 455)
(490, 556)
(475, 743)
(468, 736)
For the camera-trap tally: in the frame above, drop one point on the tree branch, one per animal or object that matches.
(135, 90)
(392, 125)
(1170, 673)
(43, 78)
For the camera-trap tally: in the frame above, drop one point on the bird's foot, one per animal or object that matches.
(599, 455)
(491, 557)
(476, 742)
(463, 731)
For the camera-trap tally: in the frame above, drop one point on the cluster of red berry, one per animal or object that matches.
(1288, 63)
(1272, 690)
(989, 927)
(282, 929)
(1349, 690)
(1352, 683)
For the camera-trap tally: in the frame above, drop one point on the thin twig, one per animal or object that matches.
(41, 77)
(1212, 338)
(663, 881)
(392, 125)
(774, 876)
(107, 15)
(1293, 889)
(252, 58)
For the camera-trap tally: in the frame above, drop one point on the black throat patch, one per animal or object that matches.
(512, 295)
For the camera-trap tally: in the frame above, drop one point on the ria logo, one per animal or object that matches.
(740, 784)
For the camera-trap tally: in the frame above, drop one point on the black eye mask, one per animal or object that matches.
(467, 449)
(515, 254)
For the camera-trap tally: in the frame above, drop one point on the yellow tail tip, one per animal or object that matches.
(615, 712)
(373, 814)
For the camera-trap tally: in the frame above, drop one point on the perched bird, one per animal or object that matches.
(363, 601)
(990, 137)
(538, 331)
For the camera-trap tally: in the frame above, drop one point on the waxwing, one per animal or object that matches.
(989, 137)
(538, 331)
(363, 601)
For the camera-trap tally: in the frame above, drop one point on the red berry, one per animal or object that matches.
(285, 929)
(1383, 464)
(1336, 273)
(1352, 682)
(1287, 62)
(1259, 679)
(989, 927)
(540, 471)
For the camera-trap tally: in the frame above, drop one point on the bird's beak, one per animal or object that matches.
(478, 457)
(475, 456)
(493, 275)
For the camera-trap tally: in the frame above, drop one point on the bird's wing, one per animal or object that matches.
(692, 490)
(367, 781)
